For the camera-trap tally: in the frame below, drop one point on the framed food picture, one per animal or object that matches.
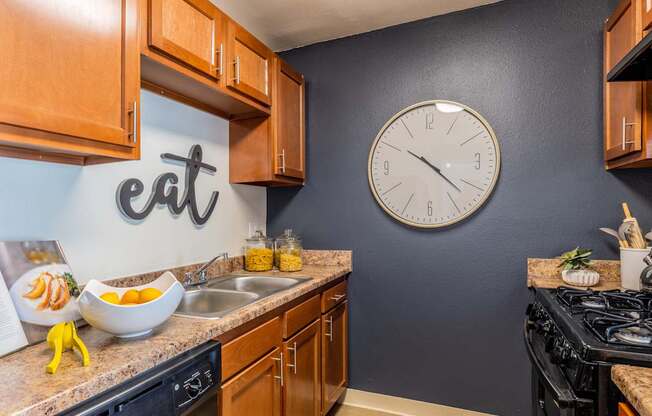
(37, 290)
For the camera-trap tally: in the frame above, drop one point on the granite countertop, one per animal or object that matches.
(636, 384)
(30, 391)
(544, 273)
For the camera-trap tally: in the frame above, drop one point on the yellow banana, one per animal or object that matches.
(63, 336)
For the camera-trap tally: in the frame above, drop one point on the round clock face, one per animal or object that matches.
(434, 164)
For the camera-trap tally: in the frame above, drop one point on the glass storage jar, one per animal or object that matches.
(288, 252)
(259, 255)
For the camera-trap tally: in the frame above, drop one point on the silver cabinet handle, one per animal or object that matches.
(337, 297)
(294, 360)
(134, 123)
(625, 125)
(282, 157)
(280, 377)
(329, 334)
(237, 69)
(219, 52)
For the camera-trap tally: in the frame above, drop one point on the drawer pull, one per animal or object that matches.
(236, 63)
(279, 377)
(625, 125)
(329, 334)
(282, 157)
(294, 354)
(219, 52)
(337, 297)
(134, 123)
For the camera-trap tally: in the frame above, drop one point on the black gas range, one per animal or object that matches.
(573, 338)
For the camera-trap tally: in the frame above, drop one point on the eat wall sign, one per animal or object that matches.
(165, 190)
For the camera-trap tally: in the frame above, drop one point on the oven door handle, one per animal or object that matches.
(563, 397)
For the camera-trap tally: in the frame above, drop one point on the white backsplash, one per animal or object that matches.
(77, 205)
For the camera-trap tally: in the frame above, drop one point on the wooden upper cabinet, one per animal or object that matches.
(302, 393)
(255, 391)
(334, 356)
(70, 80)
(647, 14)
(289, 121)
(249, 64)
(271, 150)
(190, 31)
(623, 101)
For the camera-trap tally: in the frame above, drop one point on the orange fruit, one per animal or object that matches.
(148, 294)
(130, 296)
(110, 297)
(129, 304)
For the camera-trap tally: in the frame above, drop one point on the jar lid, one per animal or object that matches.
(258, 236)
(288, 235)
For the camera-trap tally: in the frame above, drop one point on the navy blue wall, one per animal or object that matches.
(437, 315)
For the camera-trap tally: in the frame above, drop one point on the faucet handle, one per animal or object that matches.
(187, 279)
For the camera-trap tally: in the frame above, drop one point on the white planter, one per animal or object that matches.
(584, 278)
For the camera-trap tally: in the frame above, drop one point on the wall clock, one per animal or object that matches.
(434, 164)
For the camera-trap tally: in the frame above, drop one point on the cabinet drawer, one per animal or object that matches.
(249, 347)
(300, 316)
(333, 296)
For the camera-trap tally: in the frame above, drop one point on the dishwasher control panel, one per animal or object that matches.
(192, 382)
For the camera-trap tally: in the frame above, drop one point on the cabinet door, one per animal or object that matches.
(334, 356)
(250, 62)
(647, 14)
(625, 409)
(71, 68)
(189, 31)
(622, 100)
(256, 390)
(301, 393)
(289, 121)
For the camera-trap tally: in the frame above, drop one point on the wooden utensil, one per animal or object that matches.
(636, 239)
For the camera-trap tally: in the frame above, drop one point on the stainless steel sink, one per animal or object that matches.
(262, 285)
(226, 294)
(211, 303)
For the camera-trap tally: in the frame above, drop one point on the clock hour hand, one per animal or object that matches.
(436, 169)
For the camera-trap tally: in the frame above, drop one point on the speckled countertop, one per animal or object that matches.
(636, 384)
(28, 390)
(544, 273)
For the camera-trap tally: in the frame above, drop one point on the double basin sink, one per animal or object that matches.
(223, 295)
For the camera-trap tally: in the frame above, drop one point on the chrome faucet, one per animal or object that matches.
(201, 272)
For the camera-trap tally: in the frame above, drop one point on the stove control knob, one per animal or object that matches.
(193, 387)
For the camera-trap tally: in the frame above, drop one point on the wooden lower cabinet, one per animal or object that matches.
(255, 391)
(625, 409)
(293, 364)
(301, 390)
(334, 355)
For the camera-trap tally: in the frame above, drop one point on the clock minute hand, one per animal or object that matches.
(436, 169)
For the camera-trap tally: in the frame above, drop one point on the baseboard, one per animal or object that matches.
(400, 406)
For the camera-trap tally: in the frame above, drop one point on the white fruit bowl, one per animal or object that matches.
(126, 321)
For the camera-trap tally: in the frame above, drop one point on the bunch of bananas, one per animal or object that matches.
(61, 337)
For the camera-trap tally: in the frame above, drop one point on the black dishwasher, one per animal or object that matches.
(186, 385)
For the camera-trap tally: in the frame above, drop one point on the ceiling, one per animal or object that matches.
(287, 24)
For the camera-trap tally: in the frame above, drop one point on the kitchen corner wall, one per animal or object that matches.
(438, 315)
(77, 205)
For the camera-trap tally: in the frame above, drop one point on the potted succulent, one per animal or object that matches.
(576, 271)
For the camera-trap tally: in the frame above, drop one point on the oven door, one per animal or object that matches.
(552, 394)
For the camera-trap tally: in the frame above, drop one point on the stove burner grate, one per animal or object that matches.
(620, 329)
